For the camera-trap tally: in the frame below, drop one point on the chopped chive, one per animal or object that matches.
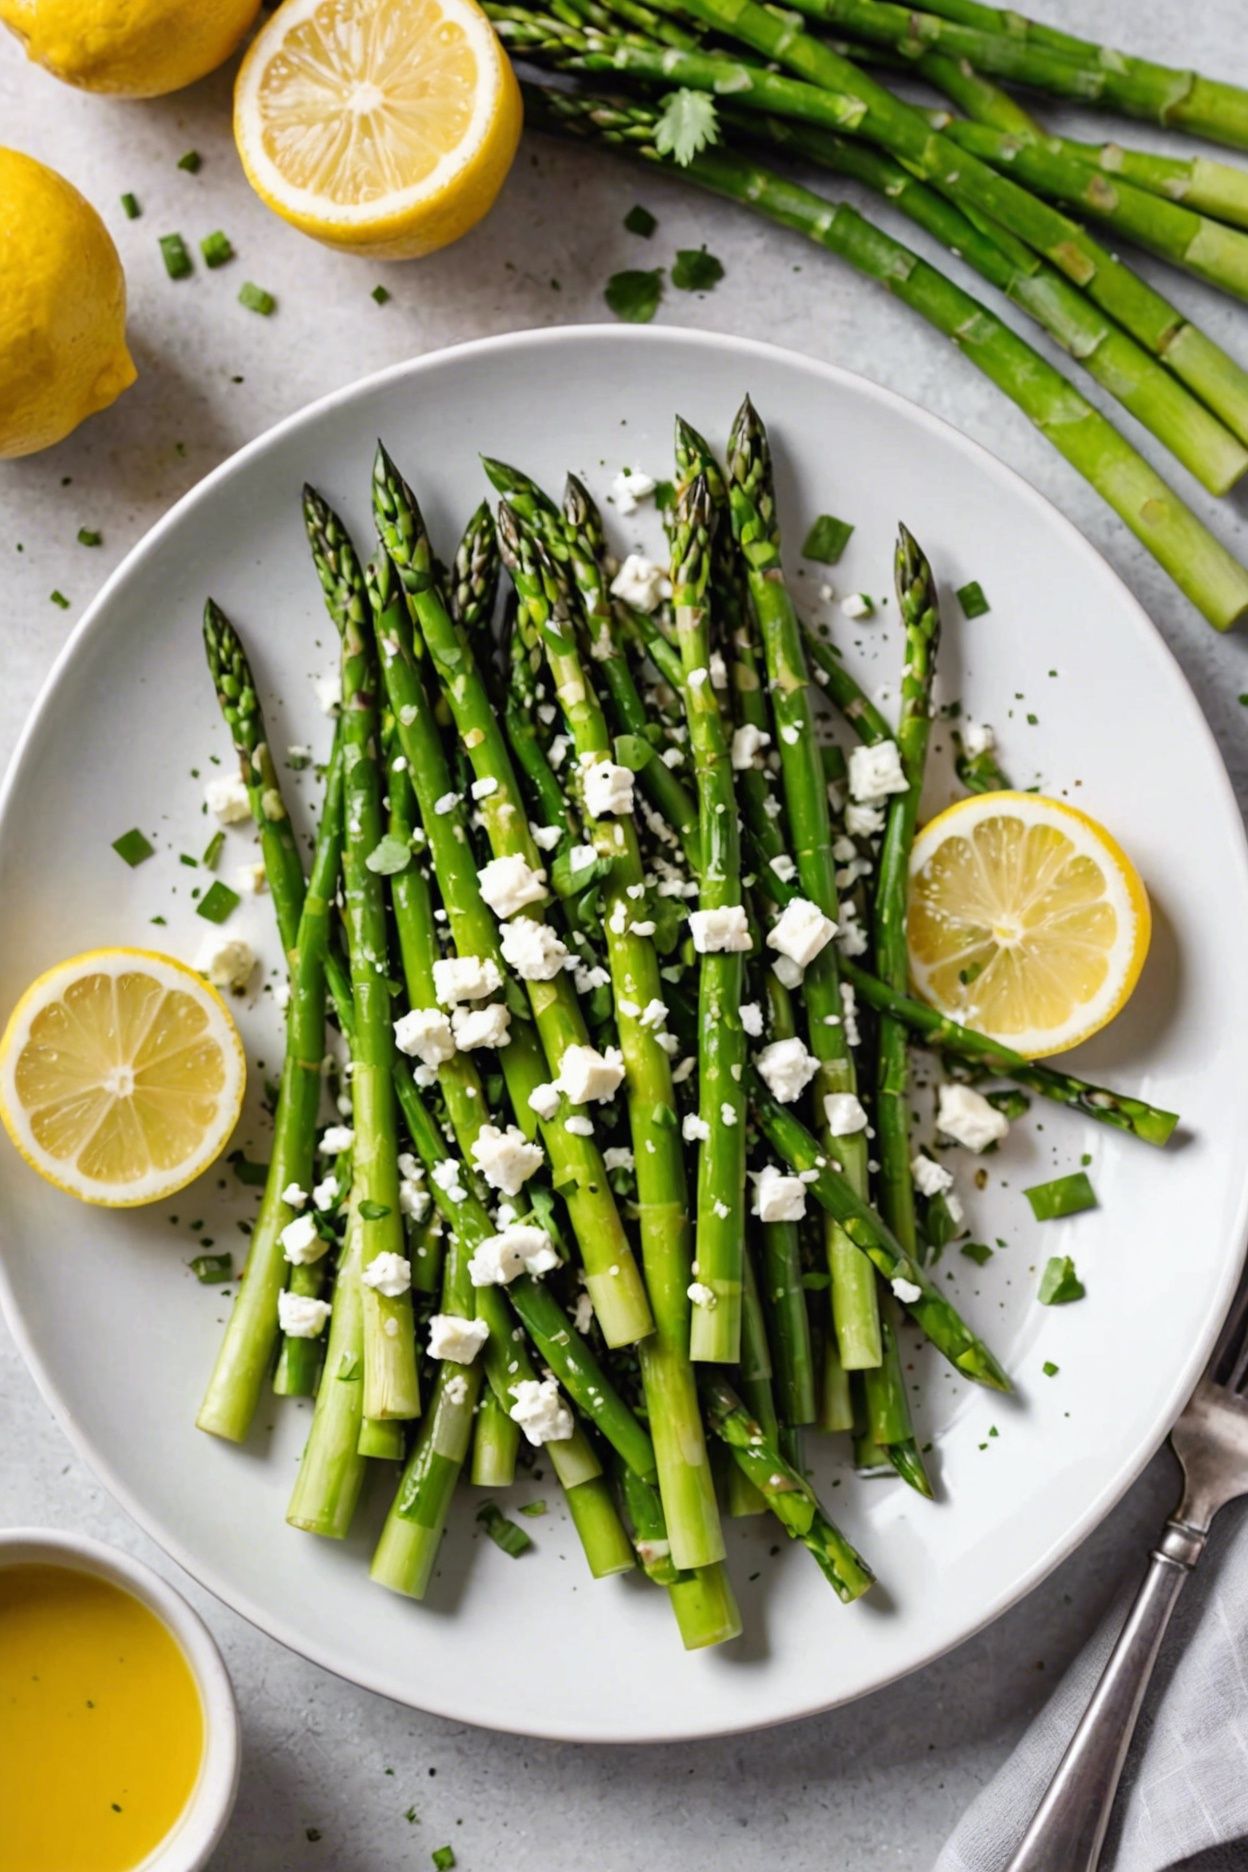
(212, 851)
(59, 598)
(380, 294)
(533, 1508)
(192, 162)
(978, 1252)
(216, 248)
(217, 903)
(1059, 1284)
(827, 539)
(173, 253)
(86, 537)
(186, 859)
(972, 600)
(639, 220)
(211, 1269)
(1064, 1196)
(130, 206)
(443, 1858)
(133, 847)
(373, 1211)
(256, 299)
(504, 1533)
(1049, 1369)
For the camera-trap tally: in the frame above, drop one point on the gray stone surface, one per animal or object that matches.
(876, 1785)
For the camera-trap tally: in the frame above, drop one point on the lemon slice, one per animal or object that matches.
(121, 1076)
(1027, 920)
(383, 126)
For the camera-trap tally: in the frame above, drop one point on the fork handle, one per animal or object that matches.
(1068, 1829)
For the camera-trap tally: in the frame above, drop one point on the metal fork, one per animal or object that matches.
(1210, 1440)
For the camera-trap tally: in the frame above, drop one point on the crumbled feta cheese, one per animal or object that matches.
(506, 1159)
(294, 1197)
(226, 798)
(300, 1316)
(906, 1291)
(966, 1116)
(250, 880)
(618, 1157)
(533, 950)
(722, 931)
(787, 972)
(851, 938)
(727, 1114)
(413, 1200)
(521, 1248)
(784, 867)
(465, 978)
(930, 1177)
(227, 962)
(977, 738)
(326, 1193)
(747, 742)
(544, 1100)
(844, 1113)
(300, 1242)
(509, 884)
(281, 995)
(697, 677)
(583, 1314)
(801, 931)
(654, 1015)
(790, 734)
(751, 1019)
(953, 1204)
(863, 821)
(335, 1139)
(586, 1075)
(540, 1411)
(388, 1274)
(579, 1126)
(580, 857)
(425, 1034)
(488, 1026)
(449, 1178)
(640, 583)
(482, 789)
(608, 789)
(777, 1197)
(455, 1390)
(446, 804)
(545, 837)
(329, 692)
(453, 1338)
(629, 488)
(702, 1295)
(719, 671)
(875, 771)
(849, 1009)
(786, 1069)
(694, 1130)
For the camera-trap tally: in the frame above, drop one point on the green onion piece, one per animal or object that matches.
(380, 294)
(173, 253)
(695, 270)
(192, 162)
(186, 859)
(533, 1508)
(373, 1211)
(827, 539)
(978, 1252)
(1064, 1196)
(211, 1269)
(972, 600)
(216, 248)
(87, 538)
(130, 206)
(1049, 1369)
(59, 598)
(504, 1533)
(1059, 1284)
(253, 1174)
(639, 220)
(213, 850)
(217, 903)
(634, 295)
(443, 1858)
(256, 299)
(133, 847)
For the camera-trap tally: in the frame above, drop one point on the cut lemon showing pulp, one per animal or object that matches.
(1026, 920)
(121, 1076)
(382, 126)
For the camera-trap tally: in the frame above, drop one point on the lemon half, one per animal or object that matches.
(1027, 920)
(121, 1076)
(383, 126)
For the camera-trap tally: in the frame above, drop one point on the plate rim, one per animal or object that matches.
(150, 1521)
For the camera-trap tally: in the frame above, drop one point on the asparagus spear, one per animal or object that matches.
(705, 1608)
(1199, 565)
(331, 1469)
(611, 1271)
(391, 1384)
(495, 1445)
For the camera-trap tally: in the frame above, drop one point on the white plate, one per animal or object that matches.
(121, 1337)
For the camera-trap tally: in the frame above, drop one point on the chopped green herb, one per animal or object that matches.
(253, 1174)
(380, 294)
(1064, 1196)
(192, 162)
(390, 855)
(639, 220)
(835, 766)
(133, 847)
(972, 600)
(59, 598)
(695, 270)
(173, 253)
(633, 751)
(86, 537)
(216, 248)
(213, 850)
(687, 124)
(1013, 1103)
(1059, 1283)
(1049, 1369)
(217, 903)
(533, 1508)
(212, 1269)
(978, 1252)
(373, 1211)
(827, 539)
(256, 299)
(130, 206)
(348, 1368)
(443, 1858)
(504, 1533)
(664, 495)
(634, 295)
(312, 1833)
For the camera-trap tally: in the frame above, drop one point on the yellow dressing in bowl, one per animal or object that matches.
(101, 1725)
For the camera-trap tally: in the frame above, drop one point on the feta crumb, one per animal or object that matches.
(702, 1295)
(697, 677)
(801, 931)
(458, 1339)
(413, 1200)
(778, 1197)
(509, 884)
(475, 1027)
(226, 798)
(640, 583)
(250, 880)
(294, 1197)
(533, 950)
(857, 605)
(540, 1411)
(425, 1034)
(227, 963)
(583, 1314)
(335, 1139)
(388, 1274)
(579, 1126)
(719, 671)
(784, 867)
(608, 789)
(545, 837)
(751, 1019)
(455, 1390)
(481, 789)
(694, 1130)
(747, 742)
(977, 738)
(586, 1075)
(521, 1248)
(790, 734)
(326, 1193)
(544, 1100)
(329, 692)
(849, 1009)
(875, 771)
(281, 995)
(727, 1114)
(906, 1291)
(580, 856)
(506, 1158)
(787, 972)
(851, 938)
(301, 1243)
(447, 1175)
(618, 1157)
(654, 1015)
(863, 821)
(844, 1113)
(628, 489)
(722, 931)
(446, 804)
(786, 1069)
(300, 1316)
(966, 1116)
(465, 978)
(930, 1177)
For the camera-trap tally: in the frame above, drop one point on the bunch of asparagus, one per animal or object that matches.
(721, 88)
(606, 1180)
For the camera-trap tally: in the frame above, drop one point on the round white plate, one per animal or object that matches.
(1087, 702)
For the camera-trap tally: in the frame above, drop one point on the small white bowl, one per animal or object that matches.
(203, 1820)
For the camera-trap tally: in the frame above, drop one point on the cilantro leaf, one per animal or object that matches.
(634, 294)
(688, 124)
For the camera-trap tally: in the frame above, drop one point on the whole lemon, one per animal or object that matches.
(132, 48)
(62, 308)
